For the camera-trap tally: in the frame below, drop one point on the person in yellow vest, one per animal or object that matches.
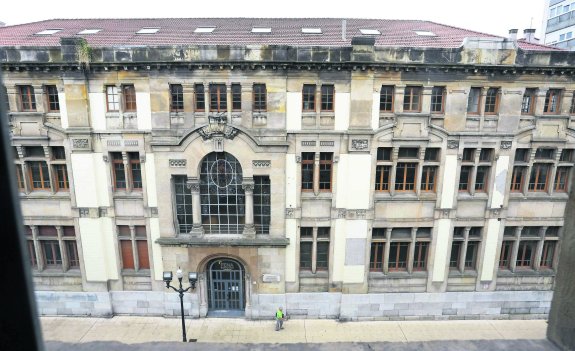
(279, 319)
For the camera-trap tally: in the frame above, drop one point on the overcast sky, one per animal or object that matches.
(489, 16)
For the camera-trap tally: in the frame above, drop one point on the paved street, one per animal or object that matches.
(130, 333)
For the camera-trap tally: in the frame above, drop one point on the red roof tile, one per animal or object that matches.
(237, 31)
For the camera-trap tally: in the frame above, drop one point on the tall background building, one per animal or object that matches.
(383, 169)
(559, 24)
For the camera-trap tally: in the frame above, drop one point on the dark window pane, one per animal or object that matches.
(322, 261)
(305, 255)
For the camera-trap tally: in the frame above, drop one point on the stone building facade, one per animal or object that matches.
(351, 169)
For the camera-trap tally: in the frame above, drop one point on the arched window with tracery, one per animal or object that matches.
(221, 194)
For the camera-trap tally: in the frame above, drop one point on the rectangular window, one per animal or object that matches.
(428, 178)
(539, 177)
(200, 97)
(522, 155)
(482, 178)
(492, 101)
(32, 254)
(19, 176)
(412, 99)
(485, 155)
(51, 253)
(398, 253)
(382, 176)
(376, 256)
(129, 95)
(39, 175)
(27, 98)
(218, 98)
(112, 98)
(143, 257)
(307, 160)
(72, 251)
(468, 155)
(183, 199)
(325, 170)
(420, 258)
(322, 260)
(505, 255)
(58, 153)
(260, 98)
(135, 170)
(327, 97)
(471, 255)
(384, 153)
(431, 154)
(386, 97)
(262, 204)
(438, 99)
(528, 102)
(572, 108)
(552, 101)
(455, 254)
(518, 178)
(6, 100)
(525, 254)
(177, 98)
(118, 171)
(544, 154)
(408, 152)
(566, 155)
(308, 98)
(52, 98)
(561, 179)
(548, 254)
(127, 254)
(473, 101)
(405, 175)
(305, 249)
(236, 97)
(61, 173)
(465, 178)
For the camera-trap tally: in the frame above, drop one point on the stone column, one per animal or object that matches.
(411, 258)
(248, 186)
(194, 185)
(394, 157)
(316, 174)
(63, 251)
(398, 98)
(39, 257)
(386, 253)
(463, 252)
(248, 293)
(229, 102)
(513, 258)
(539, 249)
(125, 161)
(203, 301)
(426, 99)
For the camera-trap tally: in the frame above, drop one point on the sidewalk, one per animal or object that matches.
(134, 330)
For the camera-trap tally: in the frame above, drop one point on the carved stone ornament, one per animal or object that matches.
(80, 143)
(506, 144)
(290, 212)
(261, 163)
(359, 144)
(218, 126)
(248, 187)
(178, 162)
(84, 212)
(452, 144)
(341, 213)
(193, 186)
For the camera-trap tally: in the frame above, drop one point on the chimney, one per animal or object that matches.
(343, 29)
(529, 35)
(513, 34)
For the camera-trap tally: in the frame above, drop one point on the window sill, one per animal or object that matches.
(438, 115)
(55, 272)
(317, 274)
(397, 275)
(125, 195)
(413, 114)
(525, 272)
(465, 274)
(467, 196)
(320, 195)
(40, 194)
(133, 273)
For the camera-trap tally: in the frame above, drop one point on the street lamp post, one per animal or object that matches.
(193, 278)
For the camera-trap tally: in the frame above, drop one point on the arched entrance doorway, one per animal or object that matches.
(226, 291)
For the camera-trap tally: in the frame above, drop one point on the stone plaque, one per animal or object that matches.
(271, 278)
